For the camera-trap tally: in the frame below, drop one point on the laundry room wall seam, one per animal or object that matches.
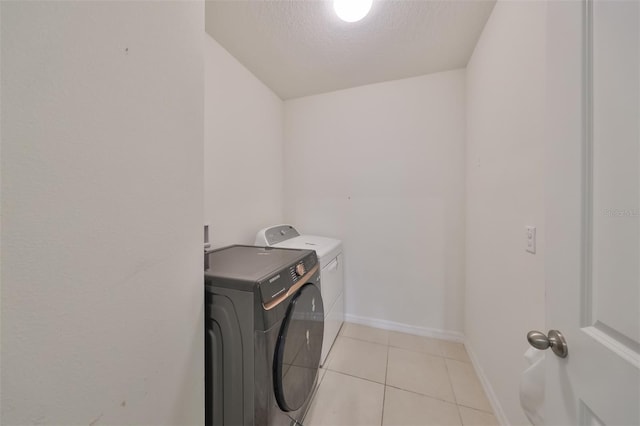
(505, 192)
(243, 150)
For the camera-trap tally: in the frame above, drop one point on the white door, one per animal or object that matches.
(593, 188)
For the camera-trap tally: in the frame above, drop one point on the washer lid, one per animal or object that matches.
(326, 248)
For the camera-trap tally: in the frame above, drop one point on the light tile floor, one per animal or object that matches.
(379, 377)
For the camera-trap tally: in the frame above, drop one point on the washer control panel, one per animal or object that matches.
(279, 283)
(301, 268)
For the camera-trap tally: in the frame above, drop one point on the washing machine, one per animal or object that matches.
(263, 335)
(330, 255)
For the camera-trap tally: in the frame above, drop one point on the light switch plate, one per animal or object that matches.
(531, 239)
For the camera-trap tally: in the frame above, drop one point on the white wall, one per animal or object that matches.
(243, 150)
(382, 168)
(505, 192)
(102, 130)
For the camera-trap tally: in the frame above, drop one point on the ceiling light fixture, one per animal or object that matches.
(352, 10)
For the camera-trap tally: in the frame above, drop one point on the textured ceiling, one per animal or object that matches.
(301, 47)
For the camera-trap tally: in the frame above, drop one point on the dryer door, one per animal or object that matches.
(298, 350)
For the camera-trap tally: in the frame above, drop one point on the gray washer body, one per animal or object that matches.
(240, 346)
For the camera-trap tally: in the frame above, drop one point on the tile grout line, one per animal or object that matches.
(439, 355)
(407, 349)
(330, 355)
(407, 390)
(384, 395)
(363, 340)
(443, 354)
(429, 396)
(456, 396)
(425, 395)
(355, 377)
(476, 409)
(440, 349)
(454, 393)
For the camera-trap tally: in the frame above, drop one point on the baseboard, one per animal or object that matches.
(454, 336)
(488, 389)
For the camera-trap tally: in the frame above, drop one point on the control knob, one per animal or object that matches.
(300, 271)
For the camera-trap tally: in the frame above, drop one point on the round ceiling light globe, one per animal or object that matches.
(352, 10)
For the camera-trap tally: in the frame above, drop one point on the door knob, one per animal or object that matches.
(555, 341)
